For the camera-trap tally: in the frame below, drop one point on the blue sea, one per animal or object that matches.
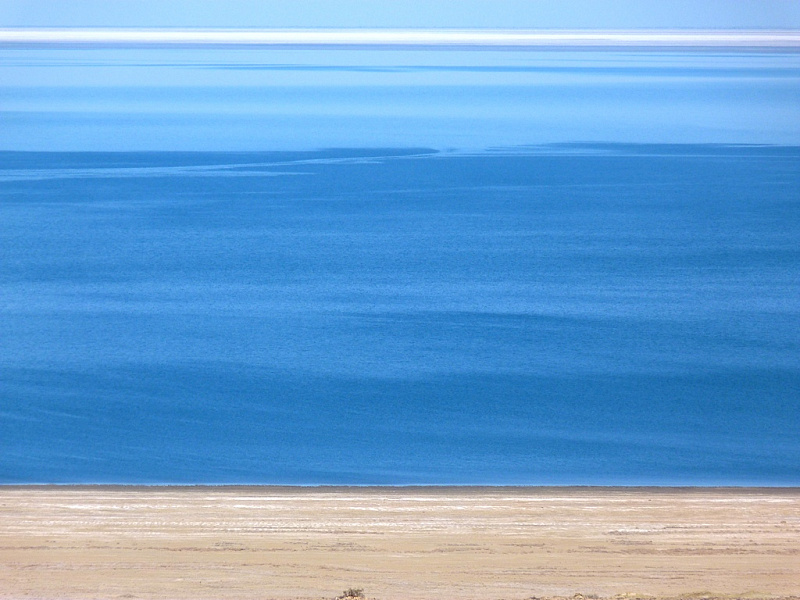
(575, 314)
(399, 267)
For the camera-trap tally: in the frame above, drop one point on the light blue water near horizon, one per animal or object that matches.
(399, 267)
(611, 314)
(226, 99)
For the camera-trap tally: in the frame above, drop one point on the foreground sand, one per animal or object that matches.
(396, 543)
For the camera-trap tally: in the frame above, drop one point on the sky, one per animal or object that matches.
(206, 97)
(602, 14)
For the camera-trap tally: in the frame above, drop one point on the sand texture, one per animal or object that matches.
(397, 543)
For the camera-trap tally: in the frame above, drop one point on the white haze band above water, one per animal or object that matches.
(404, 38)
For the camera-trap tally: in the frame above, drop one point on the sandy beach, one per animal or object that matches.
(397, 543)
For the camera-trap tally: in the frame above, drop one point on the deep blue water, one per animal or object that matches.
(608, 314)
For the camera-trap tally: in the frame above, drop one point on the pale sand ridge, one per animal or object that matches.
(396, 543)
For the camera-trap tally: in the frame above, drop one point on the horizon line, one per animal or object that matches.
(378, 38)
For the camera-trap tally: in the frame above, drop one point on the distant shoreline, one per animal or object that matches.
(416, 38)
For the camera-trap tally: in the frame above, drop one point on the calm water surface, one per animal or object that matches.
(526, 266)
(584, 314)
